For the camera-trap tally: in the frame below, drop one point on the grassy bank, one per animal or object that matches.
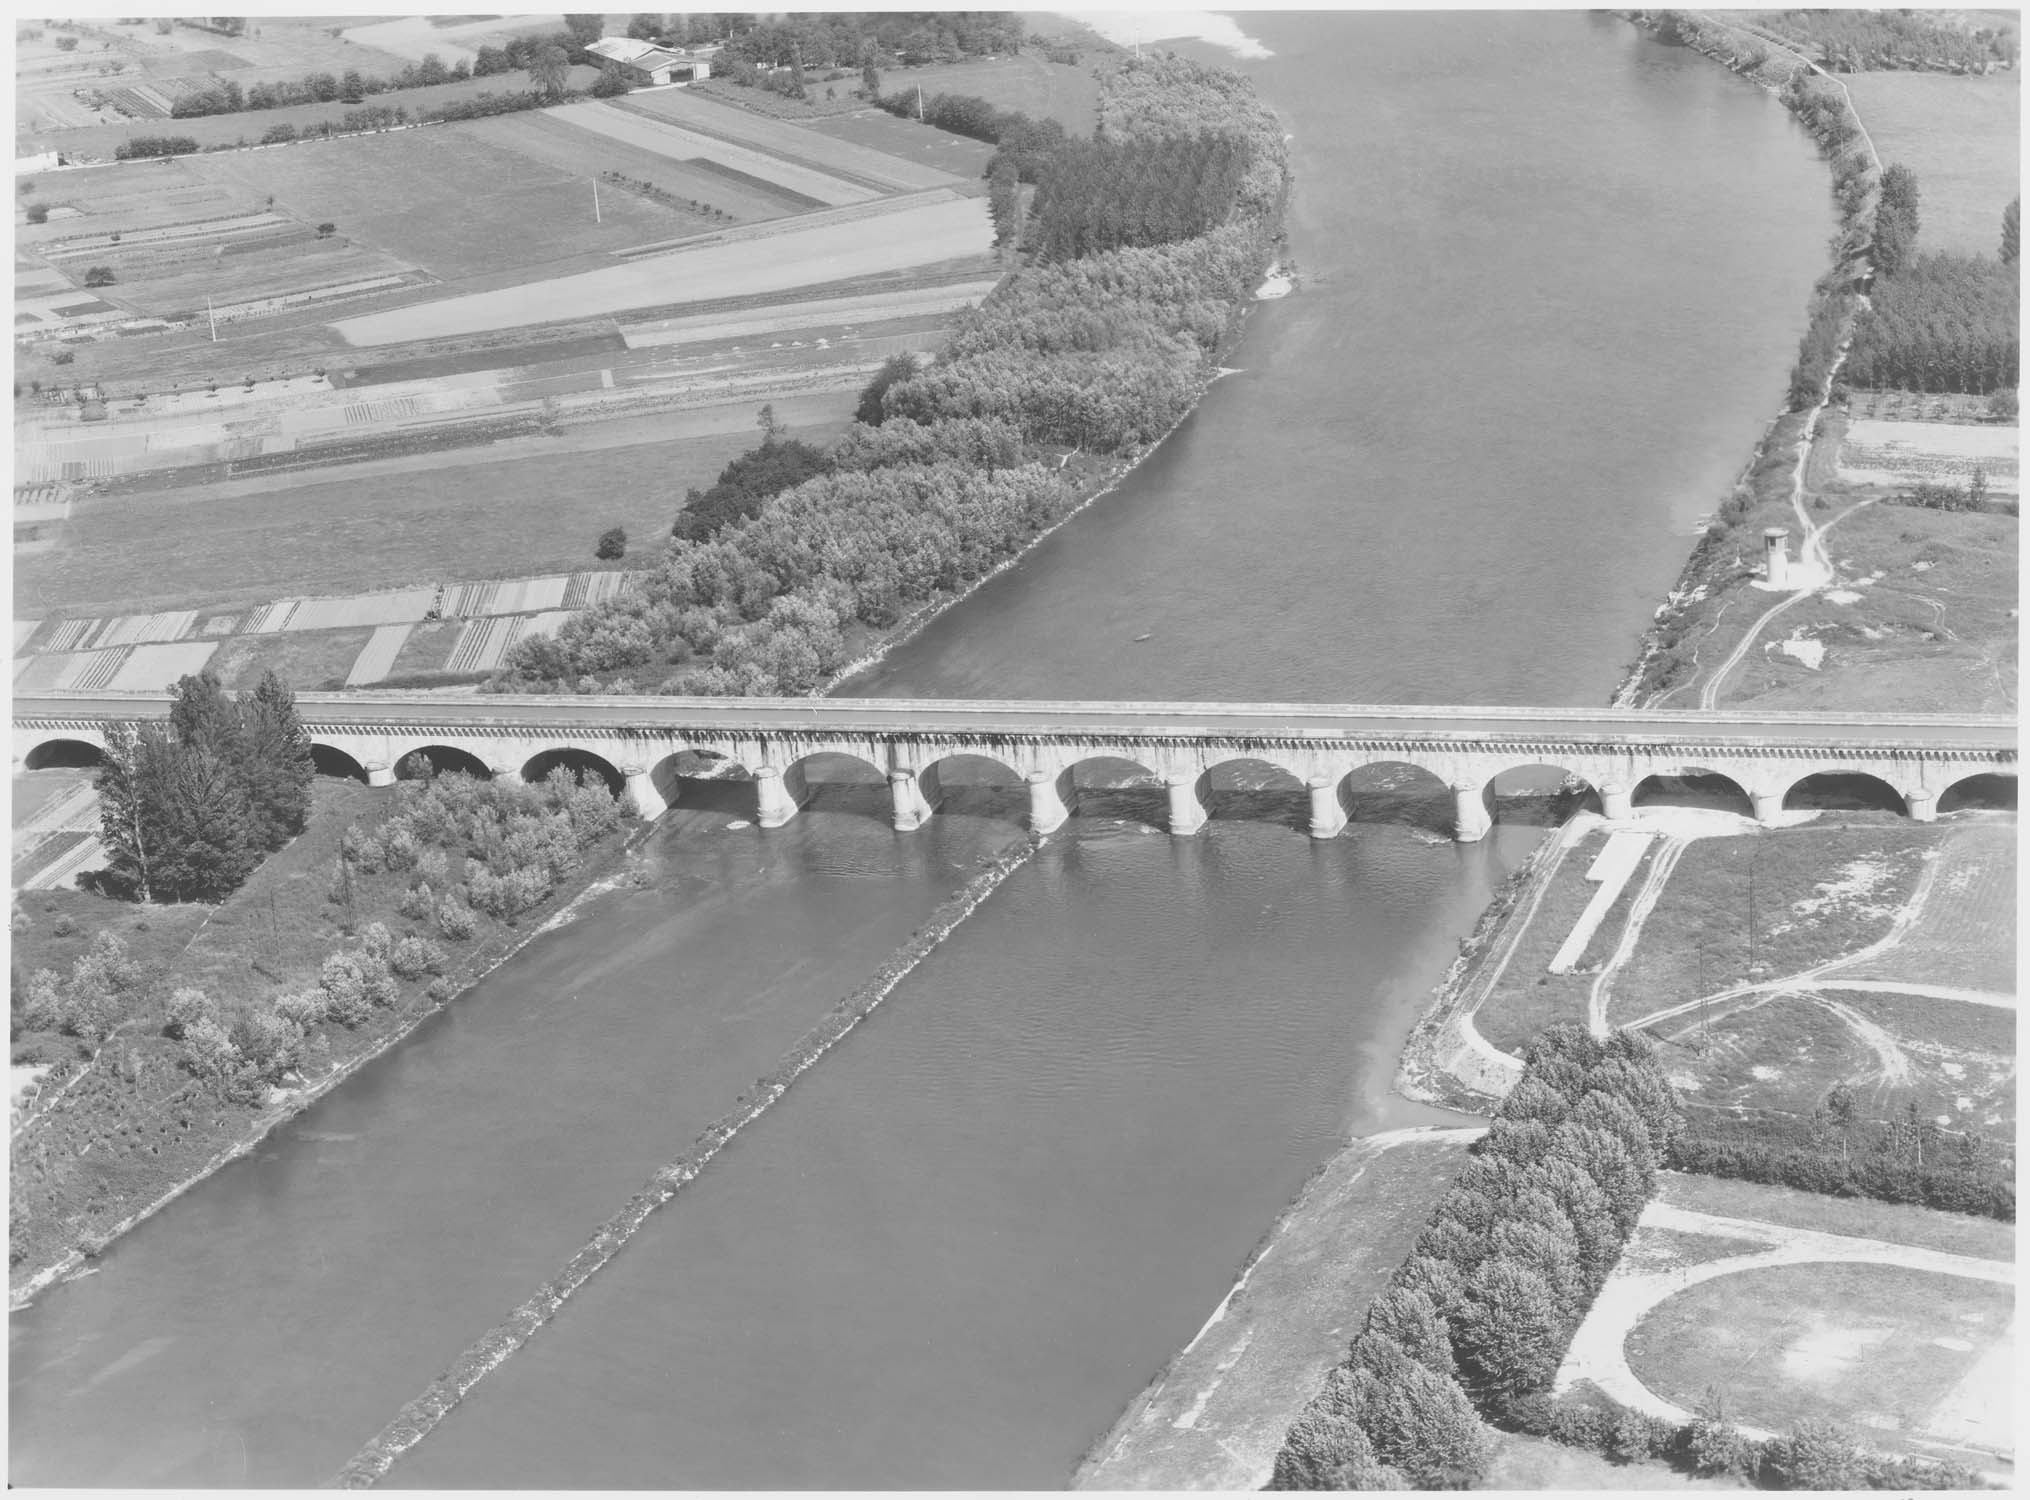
(122, 1124)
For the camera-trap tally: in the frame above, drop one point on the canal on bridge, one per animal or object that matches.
(962, 1243)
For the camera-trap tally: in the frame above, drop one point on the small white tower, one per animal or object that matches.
(1776, 572)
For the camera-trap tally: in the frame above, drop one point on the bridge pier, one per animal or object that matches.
(380, 773)
(506, 775)
(1327, 816)
(1617, 802)
(1768, 806)
(1047, 811)
(1187, 813)
(773, 805)
(1470, 820)
(912, 809)
(641, 786)
(1921, 805)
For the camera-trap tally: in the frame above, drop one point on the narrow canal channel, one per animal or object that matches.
(1553, 276)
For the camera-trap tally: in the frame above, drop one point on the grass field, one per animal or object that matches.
(1861, 1218)
(964, 158)
(655, 131)
(1538, 1464)
(1879, 1346)
(312, 660)
(1960, 136)
(448, 200)
(1068, 94)
(918, 234)
(540, 505)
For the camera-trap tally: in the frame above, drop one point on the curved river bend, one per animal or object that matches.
(1553, 277)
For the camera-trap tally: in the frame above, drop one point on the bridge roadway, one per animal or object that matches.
(637, 739)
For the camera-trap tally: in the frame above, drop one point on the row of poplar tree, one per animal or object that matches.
(188, 808)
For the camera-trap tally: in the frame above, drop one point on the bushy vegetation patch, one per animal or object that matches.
(186, 1056)
(1479, 1317)
(1853, 41)
(1835, 1150)
(1814, 1454)
(1103, 353)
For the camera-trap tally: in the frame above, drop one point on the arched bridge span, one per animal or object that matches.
(649, 740)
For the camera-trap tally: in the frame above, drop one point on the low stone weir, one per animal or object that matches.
(418, 1417)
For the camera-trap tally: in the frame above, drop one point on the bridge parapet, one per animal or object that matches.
(644, 744)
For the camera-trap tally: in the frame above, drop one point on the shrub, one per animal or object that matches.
(1713, 1444)
(42, 1001)
(306, 1009)
(612, 544)
(38, 213)
(345, 994)
(1813, 1455)
(208, 1051)
(414, 957)
(326, 230)
(186, 1008)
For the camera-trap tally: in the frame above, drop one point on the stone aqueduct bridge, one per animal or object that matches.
(918, 744)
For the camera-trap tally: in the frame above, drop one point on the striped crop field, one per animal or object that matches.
(379, 656)
(917, 234)
(401, 606)
(787, 141)
(131, 630)
(595, 588)
(679, 144)
(83, 671)
(483, 642)
(151, 668)
(269, 618)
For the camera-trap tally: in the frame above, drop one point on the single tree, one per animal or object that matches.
(870, 76)
(550, 69)
(276, 761)
(585, 30)
(1512, 1333)
(2009, 230)
(1896, 220)
(99, 276)
(123, 824)
(38, 213)
(612, 544)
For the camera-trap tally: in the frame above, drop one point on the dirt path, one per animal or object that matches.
(1646, 897)
(1598, 1350)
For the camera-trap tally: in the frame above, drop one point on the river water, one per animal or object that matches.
(1553, 275)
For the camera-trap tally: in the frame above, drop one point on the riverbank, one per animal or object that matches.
(224, 1133)
(1215, 1418)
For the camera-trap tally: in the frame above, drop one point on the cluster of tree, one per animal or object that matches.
(1105, 194)
(141, 146)
(100, 992)
(1833, 1150)
(847, 39)
(1104, 353)
(470, 844)
(1823, 108)
(1854, 41)
(1481, 1313)
(2011, 217)
(749, 481)
(1933, 494)
(188, 809)
(1942, 323)
(1027, 142)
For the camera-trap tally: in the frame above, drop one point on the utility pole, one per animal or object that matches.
(212, 317)
(595, 202)
(919, 104)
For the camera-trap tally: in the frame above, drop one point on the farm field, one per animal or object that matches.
(450, 37)
(543, 136)
(1891, 454)
(535, 505)
(1960, 135)
(1066, 93)
(959, 156)
(919, 234)
(444, 200)
(814, 189)
(786, 140)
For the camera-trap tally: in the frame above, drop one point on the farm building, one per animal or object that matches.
(644, 62)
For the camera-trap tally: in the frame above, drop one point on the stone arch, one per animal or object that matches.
(705, 780)
(1397, 791)
(1843, 788)
(1536, 792)
(1984, 789)
(1114, 786)
(973, 784)
(839, 781)
(574, 758)
(1694, 786)
(57, 754)
(1236, 788)
(425, 761)
(329, 760)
